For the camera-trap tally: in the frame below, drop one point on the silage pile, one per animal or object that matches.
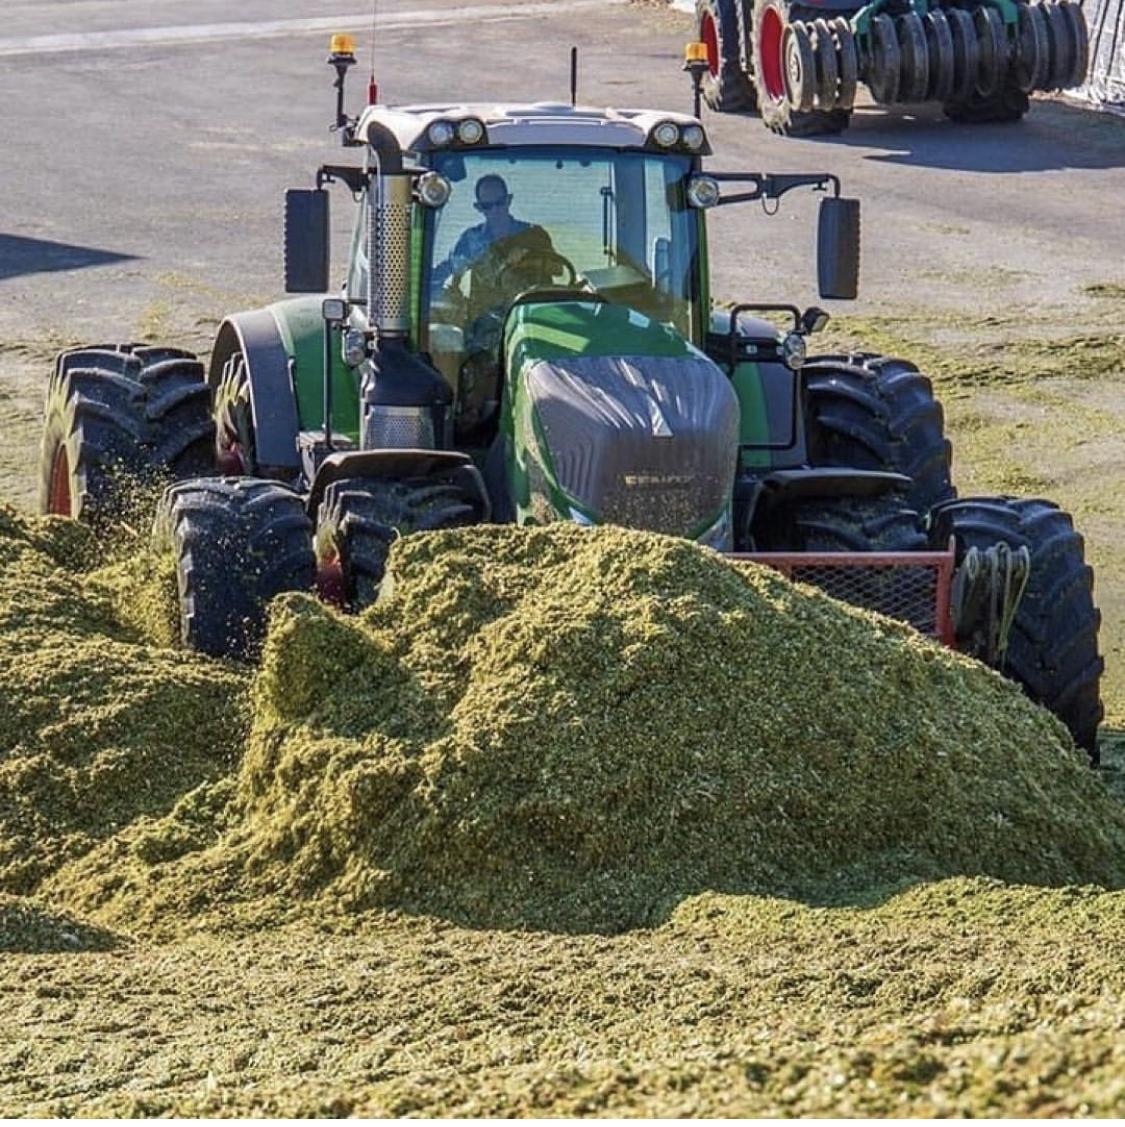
(575, 730)
(550, 728)
(98, 726)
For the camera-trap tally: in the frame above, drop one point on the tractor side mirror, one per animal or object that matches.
(306, 240)
(837, 248)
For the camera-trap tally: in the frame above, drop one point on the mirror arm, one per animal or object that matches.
(773, 185)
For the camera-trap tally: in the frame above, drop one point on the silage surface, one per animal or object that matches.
(98, 727)
(568, 732)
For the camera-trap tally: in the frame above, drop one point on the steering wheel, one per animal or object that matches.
(524, 268)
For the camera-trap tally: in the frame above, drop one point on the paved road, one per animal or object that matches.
(147, 146)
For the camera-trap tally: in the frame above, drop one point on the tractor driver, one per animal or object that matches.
(501, 256)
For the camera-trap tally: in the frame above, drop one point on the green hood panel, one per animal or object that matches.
(301, 326)
(555, 330)
(611, 416)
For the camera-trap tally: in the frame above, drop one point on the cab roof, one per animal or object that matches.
(537, 123)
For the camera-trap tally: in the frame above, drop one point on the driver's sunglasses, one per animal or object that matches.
(491, 205)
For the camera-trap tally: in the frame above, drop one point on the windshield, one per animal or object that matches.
(595, 219)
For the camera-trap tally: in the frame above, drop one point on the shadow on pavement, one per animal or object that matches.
(1053, 136)
(20, 255)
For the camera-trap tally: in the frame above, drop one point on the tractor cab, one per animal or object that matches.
(514, 203)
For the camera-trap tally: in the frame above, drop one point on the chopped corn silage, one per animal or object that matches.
(558, 729)
(570, 729)
(97, 727)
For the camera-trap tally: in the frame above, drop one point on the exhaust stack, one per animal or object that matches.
(404, 403)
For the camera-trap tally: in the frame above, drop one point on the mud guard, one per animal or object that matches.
(766, 491)
(448, 465)
(272, 399)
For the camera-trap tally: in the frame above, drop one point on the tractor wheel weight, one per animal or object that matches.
(993, 46)
(847, 63)
(1031, 66)
(915, 78)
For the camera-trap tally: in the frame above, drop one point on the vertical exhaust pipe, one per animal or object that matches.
(404, 403)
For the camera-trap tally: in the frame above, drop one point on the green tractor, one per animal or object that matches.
(525, 334)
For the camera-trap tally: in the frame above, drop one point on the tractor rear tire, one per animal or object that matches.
(771, 18)
(877, 413)
(726, 87)
(1053, 645)
(361, 517)
(119, 416)
(237, 543)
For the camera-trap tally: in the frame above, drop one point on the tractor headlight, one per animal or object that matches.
(703, 191)
(440, 133)
(433, 189)
(666, 134)
(793, 350)
(693, 137)
(470, 131)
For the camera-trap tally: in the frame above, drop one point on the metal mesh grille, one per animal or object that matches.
(912, 587)
(390, 255)
(404, 428)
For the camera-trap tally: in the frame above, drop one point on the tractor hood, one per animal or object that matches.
(618, 419)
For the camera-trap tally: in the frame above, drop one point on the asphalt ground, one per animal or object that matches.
(141, 161)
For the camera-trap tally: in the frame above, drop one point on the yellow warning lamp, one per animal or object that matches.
(342, 44)
(697, 62)
(341, 57)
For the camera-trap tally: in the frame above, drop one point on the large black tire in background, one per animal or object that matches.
(726, 87)
(770, 19)
(237, 543)
(117, 416)
(875, 413)
(1053, 645)
(360, 517)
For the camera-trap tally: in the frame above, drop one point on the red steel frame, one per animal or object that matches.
(942, 562)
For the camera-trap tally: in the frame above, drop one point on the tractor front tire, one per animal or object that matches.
(1053, 644)
(726, 87)
(119, 416)
(884, 523)
(237, 543)
(361, 517)
(877, 413)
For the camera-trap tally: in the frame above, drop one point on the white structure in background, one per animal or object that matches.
(1105, 83)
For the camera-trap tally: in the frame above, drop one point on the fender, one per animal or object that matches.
(441, 465)
(787, 484)
(272, 400)
(283, 344)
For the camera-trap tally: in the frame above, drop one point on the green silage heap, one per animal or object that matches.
(97, 726)
(575, 729)
(559, 728)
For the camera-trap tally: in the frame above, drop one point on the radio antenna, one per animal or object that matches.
(574, 76)
(372, 85)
